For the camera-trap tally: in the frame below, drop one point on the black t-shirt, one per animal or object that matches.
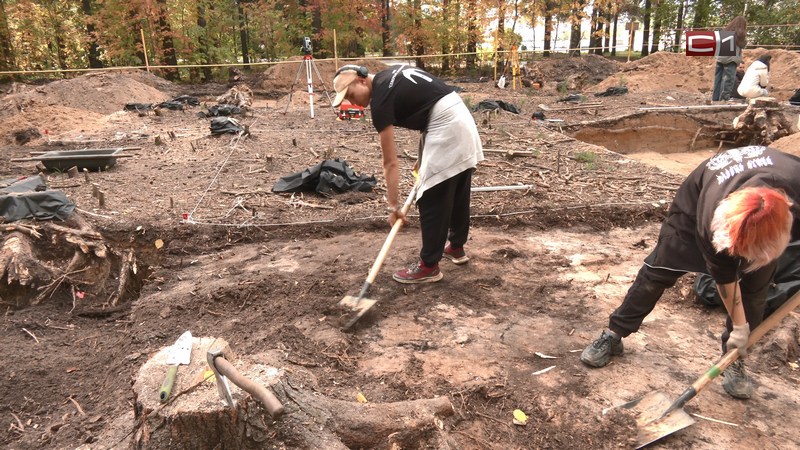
(692, 209)
(403, 96)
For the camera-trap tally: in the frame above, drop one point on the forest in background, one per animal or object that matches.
(72, 34)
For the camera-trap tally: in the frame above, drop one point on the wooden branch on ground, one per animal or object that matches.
(127, 266)
(92, 234)
(71, 269)
(31, 230)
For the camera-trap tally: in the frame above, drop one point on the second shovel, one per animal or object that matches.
(179, 353)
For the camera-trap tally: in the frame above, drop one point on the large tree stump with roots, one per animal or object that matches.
(762, 123)
(196, 418)
(39, 258)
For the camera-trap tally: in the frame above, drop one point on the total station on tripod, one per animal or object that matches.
(306, 45)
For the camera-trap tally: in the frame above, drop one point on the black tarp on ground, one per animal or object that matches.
(491, 105)
(221, 110)
(614, 90)
(786, 283)
(222, 125)
(330, 175)
(25, 198)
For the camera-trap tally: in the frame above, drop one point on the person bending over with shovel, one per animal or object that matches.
(731, 218)
(450, 149)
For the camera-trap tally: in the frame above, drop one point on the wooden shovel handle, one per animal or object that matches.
(733, 354)
(259, 392)
(376, 266)
(763, 328)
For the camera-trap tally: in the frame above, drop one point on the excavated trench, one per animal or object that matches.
(672, 140)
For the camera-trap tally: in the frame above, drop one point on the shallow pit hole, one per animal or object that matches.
(673, 141)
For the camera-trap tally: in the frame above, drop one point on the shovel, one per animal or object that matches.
(658, 417)
(360, 305)
(179, 353)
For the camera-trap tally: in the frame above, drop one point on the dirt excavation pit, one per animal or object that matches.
(190, 237)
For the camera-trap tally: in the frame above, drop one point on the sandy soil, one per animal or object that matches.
(265, 271)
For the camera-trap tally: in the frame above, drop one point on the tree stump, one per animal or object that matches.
(38, 260)
(762, 123)
(196, 418)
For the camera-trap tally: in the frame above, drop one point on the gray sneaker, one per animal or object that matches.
(599, 352)
(737, 383)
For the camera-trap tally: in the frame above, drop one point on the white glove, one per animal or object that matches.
(738, 338)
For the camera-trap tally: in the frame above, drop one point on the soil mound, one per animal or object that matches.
(663, 71)
(80, 103)
(50, 120)
(102, 93)
(789, 144)
(591, 68)
(281, 76)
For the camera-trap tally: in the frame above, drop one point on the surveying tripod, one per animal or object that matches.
(308, 64)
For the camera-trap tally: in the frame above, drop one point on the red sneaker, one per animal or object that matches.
(418, 273)
(457, 255)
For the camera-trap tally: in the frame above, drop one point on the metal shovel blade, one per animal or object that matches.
(181, 350)
(358, 308)
(651, 423)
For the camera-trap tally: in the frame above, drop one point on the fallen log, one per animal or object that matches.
(196, 417)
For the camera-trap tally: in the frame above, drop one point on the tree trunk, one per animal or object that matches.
(658, 20)
(679, 31)
(167, 46)
(316, 31)
(385, 21)
(646, 27)
(242, 19)
(548, 33)
(594, 34)
(419, 47)
(61, 47)
(501, 31)
(614, 36)
(202, 41)
(472, 33)
(196, 418)
(446, 40)
(702, 9)
(6, 53)
(93, 51)
(575, 32)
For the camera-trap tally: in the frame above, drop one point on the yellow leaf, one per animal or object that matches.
(360, 397)
(208, 375)
(520, 418)
(159, 243)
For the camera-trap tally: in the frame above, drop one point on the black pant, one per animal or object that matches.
(444, 215)
(651, 282)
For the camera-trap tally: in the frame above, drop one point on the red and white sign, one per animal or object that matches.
(710, 43)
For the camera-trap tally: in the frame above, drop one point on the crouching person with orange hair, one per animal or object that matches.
(731, 218)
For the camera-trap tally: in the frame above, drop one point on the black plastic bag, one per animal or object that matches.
(331, 175)
(496, 104)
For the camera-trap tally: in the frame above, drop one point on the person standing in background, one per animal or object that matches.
(725, 70)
